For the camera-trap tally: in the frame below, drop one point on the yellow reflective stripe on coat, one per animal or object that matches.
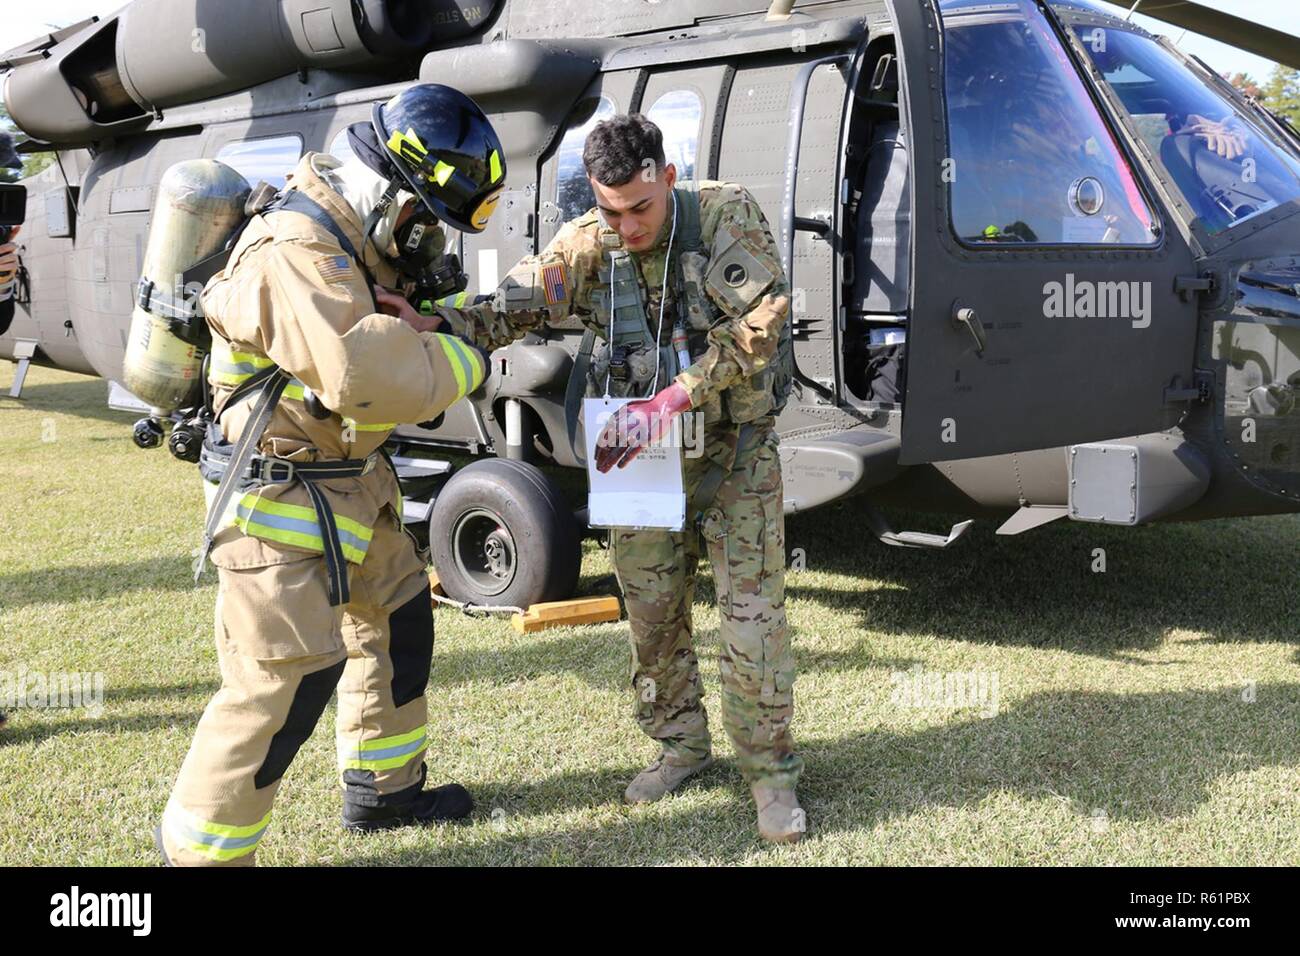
(466, 364)
(232, 367)
(217, 841)
(297, 525)
(384, 753)
(357, 426)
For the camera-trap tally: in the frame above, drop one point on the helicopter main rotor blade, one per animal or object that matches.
(1233, 30)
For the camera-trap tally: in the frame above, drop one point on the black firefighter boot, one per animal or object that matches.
(366, 811)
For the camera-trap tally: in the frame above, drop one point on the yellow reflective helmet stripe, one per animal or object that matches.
(407, 145)
(383, 753)
(442, 172)
(494, 162)
(217, 841)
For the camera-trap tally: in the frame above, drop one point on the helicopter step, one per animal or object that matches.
(24, 352)
(913, 539)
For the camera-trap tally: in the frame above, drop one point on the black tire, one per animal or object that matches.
(500, 534)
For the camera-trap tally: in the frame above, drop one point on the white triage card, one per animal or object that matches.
(648, 493)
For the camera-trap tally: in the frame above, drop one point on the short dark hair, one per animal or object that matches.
(618, 148)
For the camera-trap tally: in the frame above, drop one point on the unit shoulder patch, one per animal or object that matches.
(739, 275)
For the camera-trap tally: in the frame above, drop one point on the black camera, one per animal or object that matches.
(13, 209)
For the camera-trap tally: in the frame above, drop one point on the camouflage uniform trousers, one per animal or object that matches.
(744, 530)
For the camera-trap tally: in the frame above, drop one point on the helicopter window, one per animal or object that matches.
(573, 192)
(340, 147)
(270, 159)
(678, 115)
(1224, 163)
(1031, 160)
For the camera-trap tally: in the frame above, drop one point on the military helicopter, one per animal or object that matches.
(1045, 265)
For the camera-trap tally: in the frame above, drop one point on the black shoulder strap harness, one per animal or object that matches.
(241, 468)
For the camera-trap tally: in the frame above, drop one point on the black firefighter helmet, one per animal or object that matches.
(445, 150)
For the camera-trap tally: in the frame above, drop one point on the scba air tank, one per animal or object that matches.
(200, 204)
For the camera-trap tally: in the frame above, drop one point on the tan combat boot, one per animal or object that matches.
(780, 818)
(661, 778)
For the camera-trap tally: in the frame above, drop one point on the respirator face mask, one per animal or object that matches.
(423, 259)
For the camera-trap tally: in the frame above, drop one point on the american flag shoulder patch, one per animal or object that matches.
(337, 269)
(554, 283)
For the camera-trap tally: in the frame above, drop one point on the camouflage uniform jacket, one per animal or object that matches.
(745, 298)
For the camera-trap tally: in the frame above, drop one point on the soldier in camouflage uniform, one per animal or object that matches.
(732, 298)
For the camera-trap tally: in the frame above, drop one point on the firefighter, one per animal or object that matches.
(315, 360)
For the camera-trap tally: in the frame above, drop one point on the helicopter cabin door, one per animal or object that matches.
(1043, 309)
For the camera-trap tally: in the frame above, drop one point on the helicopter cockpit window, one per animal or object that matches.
(1031, 160)
(270, 159)
(678, 115)
(573, 191)
(1223, 161)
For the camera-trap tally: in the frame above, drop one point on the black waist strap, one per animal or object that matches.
(263, 470)
(215, 463)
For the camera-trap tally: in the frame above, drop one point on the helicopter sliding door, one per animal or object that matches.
(1043, 309)
(780, 138)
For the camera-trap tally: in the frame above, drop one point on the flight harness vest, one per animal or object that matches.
(627, 362)
(241, 468)
(627, 368)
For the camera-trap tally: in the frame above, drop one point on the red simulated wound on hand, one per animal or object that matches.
(637, 425)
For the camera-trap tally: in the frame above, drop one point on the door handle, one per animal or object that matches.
(965, 316)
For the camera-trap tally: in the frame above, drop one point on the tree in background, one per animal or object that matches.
(33, 163)
(1282, 93)
(1243, 82)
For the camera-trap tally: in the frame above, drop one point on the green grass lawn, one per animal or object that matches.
(1146, 715)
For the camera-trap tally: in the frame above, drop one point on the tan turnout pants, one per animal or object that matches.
(283, 651)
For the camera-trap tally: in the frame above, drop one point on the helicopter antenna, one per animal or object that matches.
(1133, 9)
(779, 11)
